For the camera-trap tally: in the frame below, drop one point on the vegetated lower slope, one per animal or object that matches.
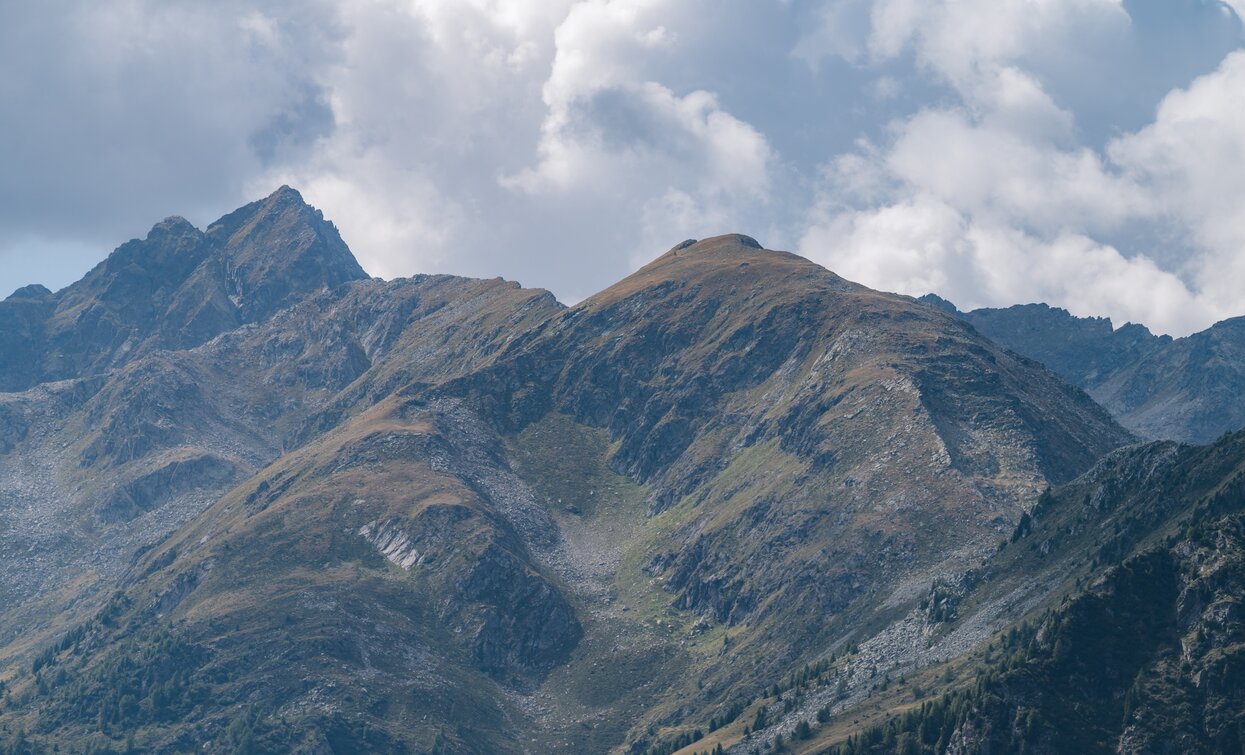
(467, 519)
(1124, 591)
(1187, 389)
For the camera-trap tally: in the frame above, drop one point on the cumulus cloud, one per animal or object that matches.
(994, 199)
(532, 140)
(1082, 152)
(962, 40)
(432, 100)
(1191, 160)
(922, 245)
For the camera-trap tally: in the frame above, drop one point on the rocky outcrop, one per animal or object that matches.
(23, 320)
(171, 478)
(517, 623)
(391, 540)
(13, 425)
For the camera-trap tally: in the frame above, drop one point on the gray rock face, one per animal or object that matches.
(23, 322)
(158, 487)
(13, 426)
(517, 624)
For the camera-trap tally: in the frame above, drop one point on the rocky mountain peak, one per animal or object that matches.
(287, 194)
(725, 241)
(139, 271)
(177, 288)
(937, 302)
(173, 225)
(725, 244)
(283, 211)
(1187, 389)
(34, 291)
(730, 267)
(279, 248)
(173, 240)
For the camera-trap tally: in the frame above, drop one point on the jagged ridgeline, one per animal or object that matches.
(1189, 389)
(257, 501)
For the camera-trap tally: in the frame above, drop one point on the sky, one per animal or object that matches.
(1085, 153)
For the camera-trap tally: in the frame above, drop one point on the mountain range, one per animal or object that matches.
(256, 501)
(1190, 389)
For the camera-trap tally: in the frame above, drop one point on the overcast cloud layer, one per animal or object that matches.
(1086, 153)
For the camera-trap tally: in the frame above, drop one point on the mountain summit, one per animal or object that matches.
(176, 288)
(278, 249)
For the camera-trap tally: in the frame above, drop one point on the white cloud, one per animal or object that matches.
(1192, 161)
(1236, 6)
(922, 245)
(607, 123)
(841, 28)
(987, 217)
(667, 163)
(668, 139)
(912, 247)
(993, 200)
(991, 170)
(431, 100)
(964, 39)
